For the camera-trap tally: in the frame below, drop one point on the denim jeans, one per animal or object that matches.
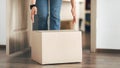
(41, 19)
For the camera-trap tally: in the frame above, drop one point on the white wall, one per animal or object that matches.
(2, 22)
(108, 24)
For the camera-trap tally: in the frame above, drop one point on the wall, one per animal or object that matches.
(108, 24)
(3, 22)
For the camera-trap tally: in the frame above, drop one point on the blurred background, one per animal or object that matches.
(19, 24)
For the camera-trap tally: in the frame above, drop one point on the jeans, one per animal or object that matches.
(41, 19)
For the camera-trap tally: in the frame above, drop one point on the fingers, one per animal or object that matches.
(74, 19)
(33, 13)
(36, 11)
(74, 15)
(32, 17)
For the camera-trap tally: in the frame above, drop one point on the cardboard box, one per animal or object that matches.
(51, 47)
(67, 25)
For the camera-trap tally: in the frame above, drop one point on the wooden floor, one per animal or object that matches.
(90, 60)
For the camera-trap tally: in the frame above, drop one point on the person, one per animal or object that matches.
(39, 14)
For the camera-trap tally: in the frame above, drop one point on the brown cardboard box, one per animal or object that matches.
(67, 25)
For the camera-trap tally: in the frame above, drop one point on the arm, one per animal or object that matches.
(73, 10)
(73, 3)
(33, 1)
(34, 10)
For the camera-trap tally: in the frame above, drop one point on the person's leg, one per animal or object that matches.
(55, 6)
(42, 15)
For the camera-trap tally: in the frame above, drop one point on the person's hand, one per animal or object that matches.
(74, 15)
(33, 13)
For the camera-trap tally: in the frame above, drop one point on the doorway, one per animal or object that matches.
(85, 22)
(88, 23)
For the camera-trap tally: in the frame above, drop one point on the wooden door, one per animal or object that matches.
(17, 30)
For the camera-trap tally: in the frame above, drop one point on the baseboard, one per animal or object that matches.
(2, 46)
(20, 52)
(107, 51)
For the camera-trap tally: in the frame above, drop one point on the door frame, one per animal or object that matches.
(93, 26)
(7, 26)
